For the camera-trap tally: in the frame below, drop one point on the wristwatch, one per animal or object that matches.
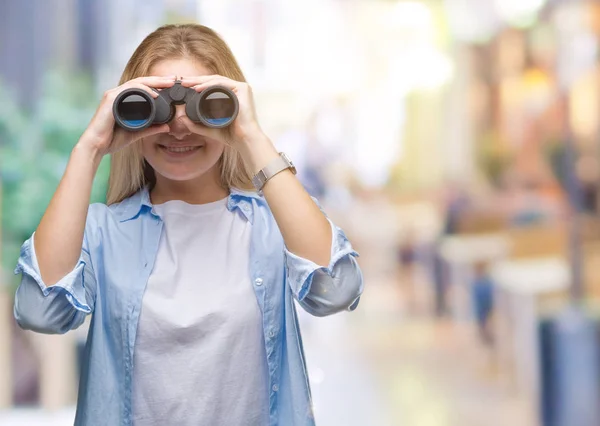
(277, 165)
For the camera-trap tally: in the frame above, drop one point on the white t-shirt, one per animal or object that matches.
(199, 355)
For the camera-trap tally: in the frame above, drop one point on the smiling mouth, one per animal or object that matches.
(180, 149)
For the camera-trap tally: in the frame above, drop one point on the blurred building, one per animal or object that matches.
(26, 32)
(96, 37)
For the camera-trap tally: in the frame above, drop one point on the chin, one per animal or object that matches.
(184, 171)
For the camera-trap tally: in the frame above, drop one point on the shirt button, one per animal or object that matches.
(258, 281)
(275, 388)
(271, 334)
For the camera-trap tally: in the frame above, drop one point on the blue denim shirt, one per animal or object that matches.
(119, 249)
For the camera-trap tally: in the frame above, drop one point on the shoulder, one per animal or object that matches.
(247, 201)
(124, 210)
(100, 212)
(101, 216)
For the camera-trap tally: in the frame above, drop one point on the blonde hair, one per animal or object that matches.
(129, 171)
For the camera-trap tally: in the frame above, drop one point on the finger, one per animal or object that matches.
(195, 80)
(147, 85)
(225, 82)
(135, 85)
(154, 81)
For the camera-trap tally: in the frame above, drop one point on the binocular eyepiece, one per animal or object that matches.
(215, 106)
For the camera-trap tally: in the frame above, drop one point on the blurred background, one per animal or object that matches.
(455, 141)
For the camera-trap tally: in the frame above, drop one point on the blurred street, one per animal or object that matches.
(390, 363)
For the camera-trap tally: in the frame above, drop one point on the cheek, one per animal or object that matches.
(148, 146)
(214, 150)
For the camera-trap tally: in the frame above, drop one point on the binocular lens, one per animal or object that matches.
(218, 108)
(134, 110)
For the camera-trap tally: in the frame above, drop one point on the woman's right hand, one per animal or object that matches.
(103, 137)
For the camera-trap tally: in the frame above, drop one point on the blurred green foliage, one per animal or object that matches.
(34, 150)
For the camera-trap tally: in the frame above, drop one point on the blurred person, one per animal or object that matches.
(407, 250)
(440, 277)
(189, 272)
(407, 260)
(455, 204)
(25, 370)
(482, 296)
(588, 176)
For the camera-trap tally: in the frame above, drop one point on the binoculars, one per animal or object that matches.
(215, 106)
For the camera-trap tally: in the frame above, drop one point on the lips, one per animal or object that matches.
(179, 149)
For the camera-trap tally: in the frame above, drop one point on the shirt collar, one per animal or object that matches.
(131, 207)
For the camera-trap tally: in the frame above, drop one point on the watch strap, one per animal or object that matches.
(279, 164)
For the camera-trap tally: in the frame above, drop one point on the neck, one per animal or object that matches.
(202, 190)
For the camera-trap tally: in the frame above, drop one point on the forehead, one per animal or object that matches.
(180, 67)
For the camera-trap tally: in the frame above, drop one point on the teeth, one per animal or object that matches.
(181, 149)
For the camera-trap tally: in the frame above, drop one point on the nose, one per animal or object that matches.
(177, 127)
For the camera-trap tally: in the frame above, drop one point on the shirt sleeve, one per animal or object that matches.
(58, 308)
(325, 290)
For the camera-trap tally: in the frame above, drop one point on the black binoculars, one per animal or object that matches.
(215, 106)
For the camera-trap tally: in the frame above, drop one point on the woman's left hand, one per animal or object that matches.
(244, 128)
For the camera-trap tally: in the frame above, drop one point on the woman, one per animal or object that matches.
(189, 272)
